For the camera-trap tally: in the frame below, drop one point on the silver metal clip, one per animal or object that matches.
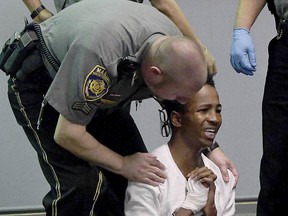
(133, 78)
(279, 30)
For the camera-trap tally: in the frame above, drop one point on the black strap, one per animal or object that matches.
(272, 9)
(37, 11)
(139, 1)
(271, 6)
(64, 5)
(50, 62)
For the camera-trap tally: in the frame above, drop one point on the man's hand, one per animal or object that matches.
(224, 163)
(242, 52)
(204, 175)
(200, 182)
(145, 168)
(210, 208)
(207, 178)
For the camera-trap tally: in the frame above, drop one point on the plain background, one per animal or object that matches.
(22, 184)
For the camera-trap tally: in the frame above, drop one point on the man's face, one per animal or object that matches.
(203, 119)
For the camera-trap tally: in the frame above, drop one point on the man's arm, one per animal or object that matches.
(139, 167)
(32, 5)
(171, 9)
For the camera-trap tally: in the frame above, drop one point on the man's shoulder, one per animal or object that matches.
(159, 151)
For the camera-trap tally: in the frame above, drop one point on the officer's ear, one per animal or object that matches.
(155, 75)
(155, 71)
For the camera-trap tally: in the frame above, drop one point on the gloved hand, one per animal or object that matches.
(242, 52)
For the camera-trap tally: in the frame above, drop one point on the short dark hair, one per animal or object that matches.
(210, 81)
(174, 105)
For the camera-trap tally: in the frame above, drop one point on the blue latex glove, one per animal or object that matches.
(242, 52)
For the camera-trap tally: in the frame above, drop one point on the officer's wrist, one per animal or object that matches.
(208, 150)
(37, 11)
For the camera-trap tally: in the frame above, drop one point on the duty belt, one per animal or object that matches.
(21, 45)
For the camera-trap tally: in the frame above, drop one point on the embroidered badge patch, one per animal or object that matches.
(96, 84)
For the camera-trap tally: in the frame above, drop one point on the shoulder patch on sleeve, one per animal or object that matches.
(83, 107)
(96, 84)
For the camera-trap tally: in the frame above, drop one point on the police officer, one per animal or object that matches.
(105, 64)
(272, 198)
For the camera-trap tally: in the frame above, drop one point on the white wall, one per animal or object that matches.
(21, 182)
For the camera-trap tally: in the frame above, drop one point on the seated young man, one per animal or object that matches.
(194, 184)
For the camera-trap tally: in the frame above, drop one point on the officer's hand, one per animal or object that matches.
(242, 52)
(224, 163)
(211, 63)
(145, 168)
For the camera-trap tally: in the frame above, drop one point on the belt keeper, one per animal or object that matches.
(37, 11)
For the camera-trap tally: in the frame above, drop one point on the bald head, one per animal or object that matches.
(178, 52)
(181, 64)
